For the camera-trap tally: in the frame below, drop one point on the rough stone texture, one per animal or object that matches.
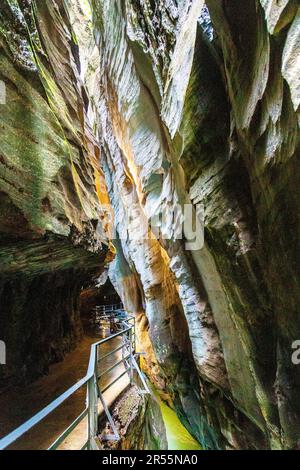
(266, 145)
(51, 188)
(185, 111)
(139, 422)
(208, 118)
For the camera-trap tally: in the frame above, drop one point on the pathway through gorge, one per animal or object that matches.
(22, 403)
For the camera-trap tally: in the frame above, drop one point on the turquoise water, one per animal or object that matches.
(178, 436)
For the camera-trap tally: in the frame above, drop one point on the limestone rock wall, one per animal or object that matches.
(52, 188)
(179, 103)
(259, 63)
(205, 111)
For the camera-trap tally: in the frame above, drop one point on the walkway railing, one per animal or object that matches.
(94, 392)
(109, 308)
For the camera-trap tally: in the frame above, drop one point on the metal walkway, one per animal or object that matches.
(124, 327)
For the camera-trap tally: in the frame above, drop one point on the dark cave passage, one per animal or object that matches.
(21, 399)
(93, 296)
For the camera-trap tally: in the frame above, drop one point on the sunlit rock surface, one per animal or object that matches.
(205, 111)
(179, 105)
(51, 188)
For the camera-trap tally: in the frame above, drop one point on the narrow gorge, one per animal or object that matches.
(120, 121)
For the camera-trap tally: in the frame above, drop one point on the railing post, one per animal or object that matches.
(94, 393)
(93, 406)
(134, 329)
(130, 360)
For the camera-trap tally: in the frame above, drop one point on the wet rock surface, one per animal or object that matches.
(173, 105)
(51, 189)
(187, 118)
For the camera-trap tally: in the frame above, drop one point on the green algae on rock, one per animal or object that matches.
(52, 189)
(172, 105)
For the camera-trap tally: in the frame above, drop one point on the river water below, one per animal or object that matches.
(178, 436)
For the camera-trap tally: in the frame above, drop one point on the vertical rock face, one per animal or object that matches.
(141, 80)
(51, 187)
(187, 106)
(259, 61)
(206, 112)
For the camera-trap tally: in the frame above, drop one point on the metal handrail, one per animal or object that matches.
(109, 308)
(115, 380)
(90, 378)
(107, 371)
(68, 431)
(113, 351)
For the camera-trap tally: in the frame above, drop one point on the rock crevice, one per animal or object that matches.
(139, 108)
